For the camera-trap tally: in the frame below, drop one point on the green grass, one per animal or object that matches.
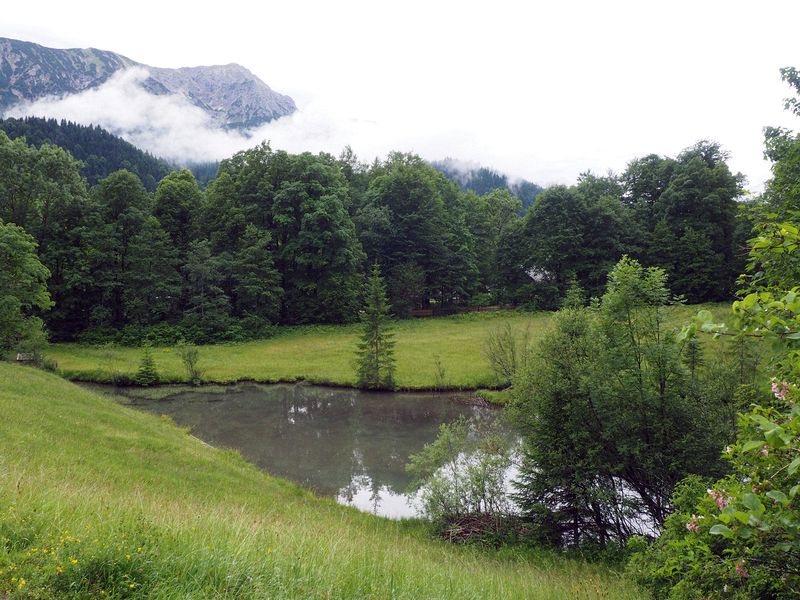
(98, 500)
(326, 354)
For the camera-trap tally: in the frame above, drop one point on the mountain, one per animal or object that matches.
(231, 95)
(100, 152)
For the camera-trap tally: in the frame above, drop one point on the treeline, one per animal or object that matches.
(101, 152)
(482, 180)
(279, 238)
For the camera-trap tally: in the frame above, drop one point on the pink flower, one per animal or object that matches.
(693, 525)
(741, 570)
(765, 451)
(780, 389)
(719, 498)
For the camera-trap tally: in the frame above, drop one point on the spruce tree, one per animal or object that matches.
(147, 374)
(376, 348)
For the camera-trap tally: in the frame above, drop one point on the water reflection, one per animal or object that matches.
(349, 444)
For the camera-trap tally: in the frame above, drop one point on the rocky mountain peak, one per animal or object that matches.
(230, 94)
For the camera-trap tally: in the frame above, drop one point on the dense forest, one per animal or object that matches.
(279, 238)
(100, 152)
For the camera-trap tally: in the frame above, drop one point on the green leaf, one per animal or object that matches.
(752, 445)
(764, 423)
(778, 496)
(722, 530)
(775, 437)
(742, 517)
(793, 466)
(704, 316)
(794, 490)
(751, 501)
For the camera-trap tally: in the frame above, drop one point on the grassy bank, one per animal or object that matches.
(97, 500)
(326, 354)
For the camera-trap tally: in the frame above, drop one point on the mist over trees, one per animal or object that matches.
(483, 180)
(101, 152)
(280, 238)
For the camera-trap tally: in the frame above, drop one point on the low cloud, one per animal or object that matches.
(536, 148)
(170, 127)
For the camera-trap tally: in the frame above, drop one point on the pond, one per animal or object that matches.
(349, 444)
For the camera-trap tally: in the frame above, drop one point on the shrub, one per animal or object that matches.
(610, 417)
(742, 534)
(506, 351)
(190, 356)
(189, 329)
(461, 478)
(440, 374)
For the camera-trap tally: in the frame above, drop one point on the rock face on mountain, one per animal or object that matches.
(230, 94)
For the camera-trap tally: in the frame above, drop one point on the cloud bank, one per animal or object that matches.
(169, 126)
(537, 147)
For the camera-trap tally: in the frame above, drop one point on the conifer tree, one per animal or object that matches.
(376, 363)
(147, 373)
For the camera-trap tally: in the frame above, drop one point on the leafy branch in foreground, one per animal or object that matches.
(740, 537)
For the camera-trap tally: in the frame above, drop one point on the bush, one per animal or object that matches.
(507, 351)
(741, 535)
(190, 357)
(461, 478)
(481, 299)
(440, 373)
(610, 418)
(189, 330)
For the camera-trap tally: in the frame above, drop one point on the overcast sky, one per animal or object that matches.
(543, 91)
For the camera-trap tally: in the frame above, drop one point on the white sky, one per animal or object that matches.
(541, 90)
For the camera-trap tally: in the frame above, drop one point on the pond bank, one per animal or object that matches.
(348, 444)
(445, 353)
(484, 397)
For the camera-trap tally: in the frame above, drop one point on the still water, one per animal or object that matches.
(349, 444)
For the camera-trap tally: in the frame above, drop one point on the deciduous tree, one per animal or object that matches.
(23, 287)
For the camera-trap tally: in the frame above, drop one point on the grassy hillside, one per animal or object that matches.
(97, 500)
(326, 354)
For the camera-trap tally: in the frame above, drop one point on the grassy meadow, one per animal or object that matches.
(326, 354)
(98, 500)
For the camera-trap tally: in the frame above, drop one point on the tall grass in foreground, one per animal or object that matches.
(97, 500)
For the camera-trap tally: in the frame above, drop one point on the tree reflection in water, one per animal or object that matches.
(349, 444)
